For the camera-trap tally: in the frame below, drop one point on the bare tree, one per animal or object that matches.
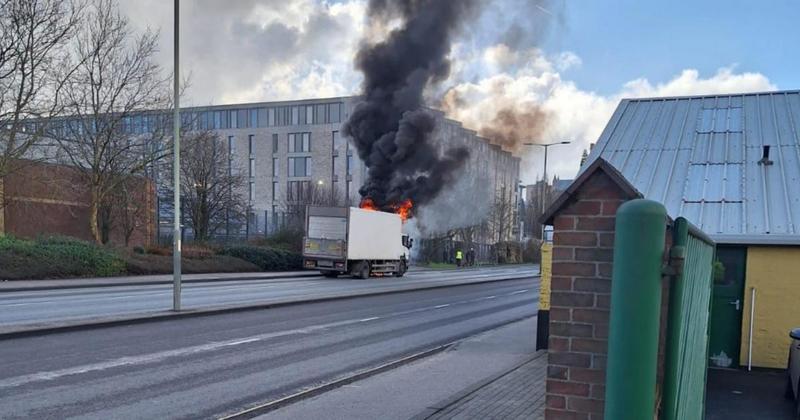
(212, 187)
(34, 35)
(501, 215)
(129, 208)
(109, 135)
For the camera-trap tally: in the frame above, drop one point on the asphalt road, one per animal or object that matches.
(37, 307)
(210, 366)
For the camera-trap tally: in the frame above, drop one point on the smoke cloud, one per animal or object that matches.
(390, 128)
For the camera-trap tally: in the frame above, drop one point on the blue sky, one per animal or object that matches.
(624, 40)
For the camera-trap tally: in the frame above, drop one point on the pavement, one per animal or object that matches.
(209, 367)
(733, 394)
(61, 308)
(495, 375)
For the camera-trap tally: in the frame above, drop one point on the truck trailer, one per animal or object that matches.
(359, 242)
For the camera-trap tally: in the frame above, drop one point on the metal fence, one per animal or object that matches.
(258, 225)
(443, 250)
(686, 363)
(635, 321)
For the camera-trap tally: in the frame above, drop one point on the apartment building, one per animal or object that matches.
(291, 150)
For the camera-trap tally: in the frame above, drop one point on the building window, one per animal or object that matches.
(274, 190)
(274, 166)
(349, 164)
(275, 143)
(231, 147)
(310, 115)
(335, 111)
(298, 166)
(299, 142)
(298, 190)
(337, 140)
(253, 118)
(242, 118)
(250, 144)
(295, 115)
(320, 114)
(252, 194)
(252, 168)
(262, 117)
(271, 117)
(234, 121)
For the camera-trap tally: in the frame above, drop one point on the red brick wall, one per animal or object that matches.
(47, 199)
(580, 300)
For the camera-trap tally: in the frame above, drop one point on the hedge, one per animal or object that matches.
(268, 259)
(56, 256)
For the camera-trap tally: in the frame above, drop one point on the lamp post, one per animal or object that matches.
(544, 184)
(176, 152)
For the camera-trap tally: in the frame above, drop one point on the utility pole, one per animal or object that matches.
(544, 181)
(176, 174)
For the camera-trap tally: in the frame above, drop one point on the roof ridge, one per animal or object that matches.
(716, 95)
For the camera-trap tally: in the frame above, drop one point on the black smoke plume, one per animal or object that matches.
(390, 128)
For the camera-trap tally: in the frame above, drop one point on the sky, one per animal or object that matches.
(569, 62)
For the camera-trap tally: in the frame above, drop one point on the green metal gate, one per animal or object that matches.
(637, 274)
(691, 256)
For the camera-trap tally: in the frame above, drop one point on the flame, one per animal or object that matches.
(403, 208)
(367, 204)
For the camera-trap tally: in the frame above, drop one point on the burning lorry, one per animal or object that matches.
(357, 241)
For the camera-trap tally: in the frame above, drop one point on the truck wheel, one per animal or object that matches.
(361, 270)
(401, 270)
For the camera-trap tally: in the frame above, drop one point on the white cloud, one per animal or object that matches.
(251, 50)
(527, 81)
(257, 50)
(689, 82)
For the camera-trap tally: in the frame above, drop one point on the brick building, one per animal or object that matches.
(49, 199)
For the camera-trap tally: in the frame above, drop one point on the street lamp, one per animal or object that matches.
(544, 186)
(176, 166)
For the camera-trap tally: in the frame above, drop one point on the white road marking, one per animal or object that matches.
(519, 291)
(159, 356)
(369, 319)
(441, 306)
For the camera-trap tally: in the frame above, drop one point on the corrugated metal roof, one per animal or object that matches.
(702, 156)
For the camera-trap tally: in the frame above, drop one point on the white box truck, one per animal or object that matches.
(356, 241)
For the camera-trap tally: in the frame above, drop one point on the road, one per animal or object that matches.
(210, 366)
(36, 307)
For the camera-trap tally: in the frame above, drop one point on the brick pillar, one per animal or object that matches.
(579, 307)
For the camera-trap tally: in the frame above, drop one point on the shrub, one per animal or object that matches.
(197, 252)
(56, 256)
(138, 250)
(288, 238)
(268, 259)
(158, 250)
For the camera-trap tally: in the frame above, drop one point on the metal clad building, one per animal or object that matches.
(730, 164)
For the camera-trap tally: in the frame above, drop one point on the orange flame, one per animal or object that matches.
(367, 204)
(403, 208)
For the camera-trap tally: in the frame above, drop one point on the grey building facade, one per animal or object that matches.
(294, 149)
